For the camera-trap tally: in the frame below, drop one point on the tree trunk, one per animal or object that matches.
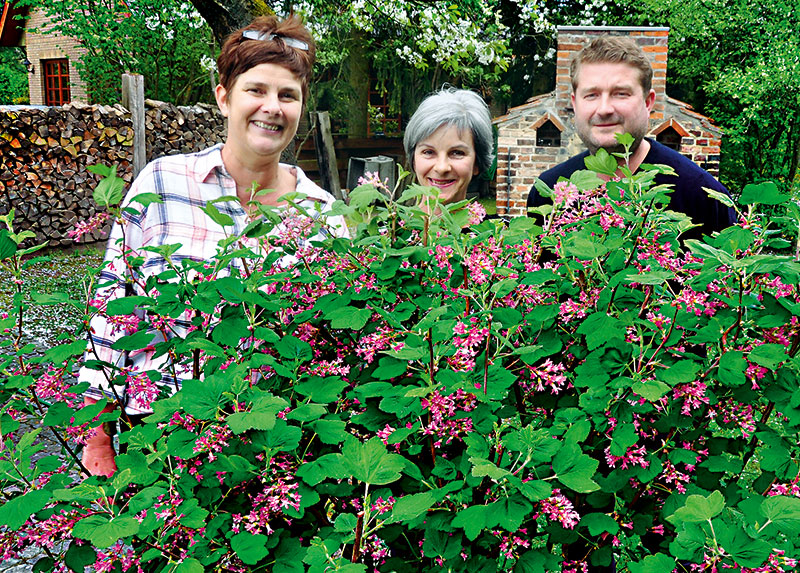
(226, 16)
(358, 67)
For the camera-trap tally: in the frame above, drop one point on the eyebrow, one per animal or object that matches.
(259, 84)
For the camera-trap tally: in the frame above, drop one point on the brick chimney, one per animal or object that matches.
(652, 40)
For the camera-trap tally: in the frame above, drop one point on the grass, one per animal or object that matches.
(58, 271)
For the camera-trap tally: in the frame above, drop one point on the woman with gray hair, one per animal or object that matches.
(449, 140)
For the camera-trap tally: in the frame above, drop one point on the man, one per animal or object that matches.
(611, 94)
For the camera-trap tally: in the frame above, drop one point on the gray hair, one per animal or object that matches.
(462, 109)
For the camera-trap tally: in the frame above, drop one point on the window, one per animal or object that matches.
(671, 138)
(56, 82)
(548, 135)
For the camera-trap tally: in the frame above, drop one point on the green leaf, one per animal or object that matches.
(600, 328)
(78, 557)
(221, 219)
(15, 512)
(145, 199)
(411, 506)
(136, 341)
(189, 565)
(7, 245)
(747, 552)
(624, 436)
(732, 367)
(104, 533)
(766, 193)
(307, 412)
(651, 390)
(331, 431)
(784, 512)
(203, 398)
(250, 548)
(109, 189)
(679, 372)
(768, 355)
(293, 348)
(659, 563)
(472, 520)
(349, 317)
(322, 390)
(61, 353)
(370, 463)
(345, 523)
(599, 523)
(510, 512)
(575, 469)
(698, 508)
(484, 468)
(602, 162)
(262, 415)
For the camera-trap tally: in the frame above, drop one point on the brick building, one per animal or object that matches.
(53, 77)
(540, 133)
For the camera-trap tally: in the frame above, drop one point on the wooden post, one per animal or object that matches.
(326, 155)
(133, 100)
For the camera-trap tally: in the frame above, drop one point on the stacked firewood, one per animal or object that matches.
(172, 129)
(45, 152)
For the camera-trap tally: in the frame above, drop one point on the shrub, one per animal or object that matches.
(436, 394)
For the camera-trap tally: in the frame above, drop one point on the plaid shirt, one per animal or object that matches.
(185, 183)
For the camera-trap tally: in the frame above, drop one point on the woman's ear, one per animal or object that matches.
(221, 95)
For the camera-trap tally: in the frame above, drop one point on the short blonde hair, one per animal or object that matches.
(607, 49)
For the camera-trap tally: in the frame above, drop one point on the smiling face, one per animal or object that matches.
(608, 99)
(446, 160)
(263, 108)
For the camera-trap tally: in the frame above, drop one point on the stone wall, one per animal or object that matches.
(45, 152)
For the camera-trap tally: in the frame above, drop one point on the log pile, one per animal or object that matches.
(175, 129)
(45, 152)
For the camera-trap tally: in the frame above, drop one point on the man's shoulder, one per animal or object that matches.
(686, 170)
(564, 169)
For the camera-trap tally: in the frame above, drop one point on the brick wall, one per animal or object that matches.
(46, 47)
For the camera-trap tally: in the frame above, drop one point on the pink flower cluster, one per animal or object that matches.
(443, 422)
(477, 213)
(693, 394)
(547, 376)
(559, 508)
(280, 491)
(88, 226)
(634, 456)
(374, 179)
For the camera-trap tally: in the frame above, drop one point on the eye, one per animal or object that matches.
(289, 96)
(458, 153)
(426, 152)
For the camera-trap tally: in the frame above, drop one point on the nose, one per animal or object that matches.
(270, 104)
(604, 106)
(442, 163)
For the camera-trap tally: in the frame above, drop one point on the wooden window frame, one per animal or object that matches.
(55, 75)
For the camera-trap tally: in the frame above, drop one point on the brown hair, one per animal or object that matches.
(613, 50)
(239, 54)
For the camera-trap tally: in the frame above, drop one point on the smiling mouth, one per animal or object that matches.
(440, 182)
(267, 126)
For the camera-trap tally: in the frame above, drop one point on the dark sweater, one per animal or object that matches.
(687, 197)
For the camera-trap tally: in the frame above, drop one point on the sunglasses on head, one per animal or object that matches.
(265, 37)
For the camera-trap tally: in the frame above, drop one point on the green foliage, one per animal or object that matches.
(13, 77)
(164, 40)
(432, 394)
(739, 63)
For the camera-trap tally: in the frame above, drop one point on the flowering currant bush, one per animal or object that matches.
(560, 394)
